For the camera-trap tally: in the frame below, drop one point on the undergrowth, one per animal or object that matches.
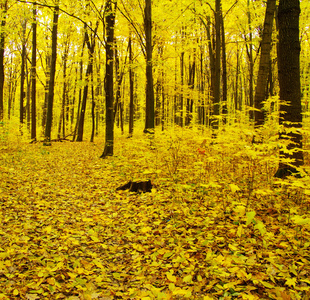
(217, 224)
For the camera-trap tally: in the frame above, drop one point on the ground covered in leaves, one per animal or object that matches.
(215, 226)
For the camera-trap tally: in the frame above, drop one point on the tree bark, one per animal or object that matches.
(290, 90)
(22, 74)
(249, 46)
(217, 82)
(109, 82)
(131, 87)
(4, 8)
(34, 74)
(49, 114)
(149, 107)
(264, 64)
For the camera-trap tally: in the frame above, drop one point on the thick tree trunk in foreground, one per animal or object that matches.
(109, 91)
(290, 91)
(49, 114)
(264, 64)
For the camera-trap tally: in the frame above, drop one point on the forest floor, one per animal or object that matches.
(216, 225)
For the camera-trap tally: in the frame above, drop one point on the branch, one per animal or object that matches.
(65, 12)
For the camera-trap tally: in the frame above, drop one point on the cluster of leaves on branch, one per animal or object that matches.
(216, 225)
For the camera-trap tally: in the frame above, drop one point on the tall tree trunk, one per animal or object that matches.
(22, 74)
(290, 90)
(224, 67)
(182, 89)
(217, 83)
(149, 107)
(109, 89)
(91, 43)
(264, 63)
(131, 88)
(4, 8)
(249, 46)
(34, 74)
(48, 60)
(49, 114)
(62, 119)
(93, 106)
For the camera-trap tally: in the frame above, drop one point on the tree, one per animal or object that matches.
(109, 90)
(264, 64)
(22, 73)
(49, 114)
(4, 8)
(290, 90)
(150, 101)
(33, 73)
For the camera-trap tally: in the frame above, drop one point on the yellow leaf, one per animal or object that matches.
(48, 229)
(266, 284)
(146, 229)
(291, 282)
(171, 286)
(188, 279)
(94, 238)
(234, 188)
(171, 277)
(207, 298)
(15, 292)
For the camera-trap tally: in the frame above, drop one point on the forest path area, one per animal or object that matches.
(202, 233)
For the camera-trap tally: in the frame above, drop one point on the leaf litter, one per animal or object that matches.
(214, 227)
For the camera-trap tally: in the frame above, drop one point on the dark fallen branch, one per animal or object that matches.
(136, 186)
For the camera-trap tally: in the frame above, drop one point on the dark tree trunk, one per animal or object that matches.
(264, 63)
(62, 119)
(182, 89)
(4, 8)
(249, 46)
(22, 75)
(149, 107)
(109, 82)
(33, 75)
(46, 88)
(217, 82)
(49, 114)
(224, 68)
(131, 87)
(91, 43)
(290, 90)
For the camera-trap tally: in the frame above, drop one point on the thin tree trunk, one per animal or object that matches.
(224, 67)
(34, 74)
(4, 8)
(260, 91)
(89, 71)
(249, 46)
(217, 83)
(49, 115)
(131, 88)
(22, 74)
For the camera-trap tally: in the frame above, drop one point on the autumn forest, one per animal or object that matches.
(154, 149)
